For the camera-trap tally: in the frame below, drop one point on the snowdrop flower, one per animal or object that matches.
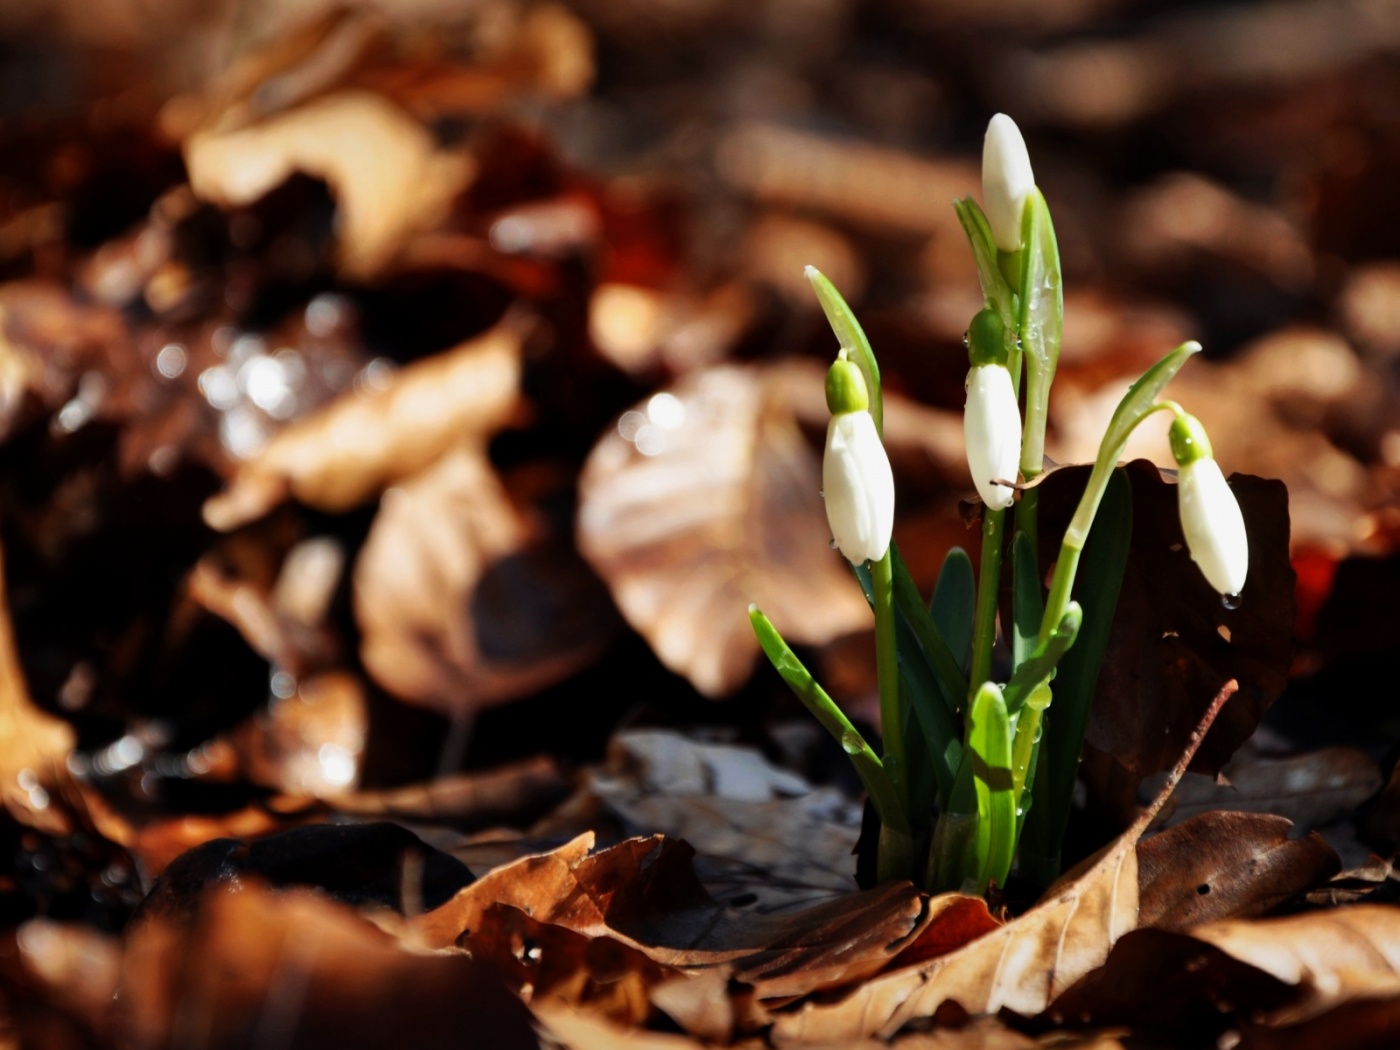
(1007, 181)
(1210, 514)
(991, 419)
(992, 432)
(857, 483)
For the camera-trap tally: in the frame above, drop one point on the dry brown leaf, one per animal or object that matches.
(763, 834)
(702, 500)
(388, 177)
(1311, 789)
(643, 894)
(1021, 966)
(1331, 957)
(483, 799)
(76, 965)
(310, 743)
(439, 593)
(1226, 865)
(256, 967)
(361, 442)
(34, 745)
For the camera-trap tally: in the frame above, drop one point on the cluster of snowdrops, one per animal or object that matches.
(965, 786)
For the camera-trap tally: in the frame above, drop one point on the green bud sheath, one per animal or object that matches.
(986, 340)
(1188, 439)
(845, 388)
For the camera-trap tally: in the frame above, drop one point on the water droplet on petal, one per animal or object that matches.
(1230, 601)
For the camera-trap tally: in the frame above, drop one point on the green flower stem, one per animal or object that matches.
(985, 618)
(887, 670)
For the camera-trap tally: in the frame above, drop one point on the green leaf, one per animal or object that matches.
(954, 606)
(1138, 403)
(922, 687)
(989, 740)
(995, 290)
(851, 336)
(1104, 561)
(832, 719)
(1040, 665)
(959, 839)
(1040, 324)
(1027, 601)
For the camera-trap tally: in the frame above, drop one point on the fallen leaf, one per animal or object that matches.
(463, 603)
(643, 893)
(763, 834)
(1226, 865)
(1172, 641)
(34, 745)
(309, 743)
(1021, 966)
(505, 795)
(388, 177)
(703, 500)
(1329, 957)
(250, 966)
(1311, 789)
(345, 453)
(358, 864)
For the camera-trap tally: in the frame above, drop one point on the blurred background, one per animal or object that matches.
(397, 399)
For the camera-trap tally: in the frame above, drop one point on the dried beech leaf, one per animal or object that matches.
(763, 834)
(1167, 650)
(347, 452)
(1021, 966)
(34, 745)
(441, 587)
(388, 176)
(702, 500)
(505, 795)
(253, 963)
(1311, 789)
(643, 893)
(310, 743)
(1331, 957)
(78, 967)
(1224, 866)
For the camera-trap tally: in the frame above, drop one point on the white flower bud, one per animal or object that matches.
(858, 487)
(992, 432)
(1213, 525)
(1007, 180)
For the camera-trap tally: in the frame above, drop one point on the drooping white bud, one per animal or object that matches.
(1210, 515)
(1007, 180)
(992, 432)
(857, 483)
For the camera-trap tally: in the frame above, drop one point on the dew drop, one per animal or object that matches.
(834, 544)
(1230, 601)
(851, 743)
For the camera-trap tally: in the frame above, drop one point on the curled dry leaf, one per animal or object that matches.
(702, 500)
(252, 966)
(643, 894)
(1021, 966)
(460, 602)
(361, 442)
(1224, 866)
(1330, 957)
(388, 177)
(506, 795)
